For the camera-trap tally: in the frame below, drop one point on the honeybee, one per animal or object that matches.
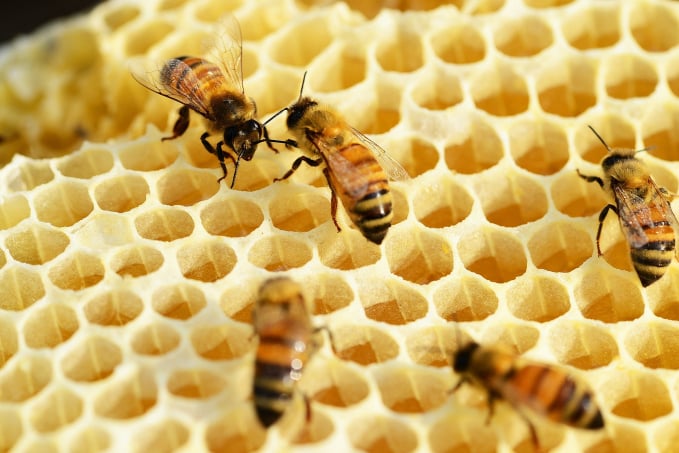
(643, 209)
(546, 390)
(214, 91)
(356, 168)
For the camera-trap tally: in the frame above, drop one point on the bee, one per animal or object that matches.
(214, 91)
(546, 390)
(355, 167)
(281, 320)
(643, 209)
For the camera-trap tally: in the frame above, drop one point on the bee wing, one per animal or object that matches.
(227, 50)
(391, 167)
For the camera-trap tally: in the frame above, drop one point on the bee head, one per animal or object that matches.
(463, 357)
(243, 138)
(616, 158)
(297, 111)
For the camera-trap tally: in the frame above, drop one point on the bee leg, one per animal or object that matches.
(221, 156)
(531, 428)
(333, 200)
(180, 125)
(595, 179)
(602, 216)
(288, 143)
(297, 163)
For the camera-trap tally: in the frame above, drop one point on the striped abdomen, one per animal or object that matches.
(652, 258)
(189, 75)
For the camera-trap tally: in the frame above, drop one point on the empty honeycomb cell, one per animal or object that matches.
(654, 344)
(278, 253)
(330, 292)
(500, 91)
(136, 261)
(391, 301)
(296, 49)
(92, 359)
(60, 407)
(231, 217)
(382, 120)
(155, 339)
(195, 383)
(145, 35)
(91, 439)
(363, 345)
(411, 390)
(399, 205)
(30, 175)
(538, 298)
(165, 224)
(439, 93)
(566, 87)
(119, 15)
(166, 435)
(63, 203)
(347, 250)
(418, 255)
(575, 197)
(319, 428)
(582, 344)
(342, 69)
(609, 298)
(86, 164)
(516, 337)
(659, 131)
(465, 299)
(19, 288)
(206, 261)
(36, 244)
(494, 254)
(560, 247)
(629, 76)
(13, 209)
(480, 149)
(663, 296)
(400, 52)
(457, 432)
(11, 428)
(617, 131)
(416, 154)
(655, 27)
(256, 175)
(666, 436)
(180, 301)
(221, 342)
(379, 434)
(621, 437)
(50, 326)
(523, 36)
(299, 212)
(8, 340)
(122, 193)
(459, 44)
(148, 154)
(636, 395)
(113, 308)
(236, 431)
(442, 204)
(338, 385)
(24, 378)
(186, 187)
(592, 26)
(541, 147)
(434, 346)
(77, 271)
(128, 397)
(255, 26)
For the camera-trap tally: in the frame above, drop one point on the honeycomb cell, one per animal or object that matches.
(400, 52)
(560, 247)
(299, 212)
(663, 296)
(621, 437)
(30, 175)
(537, 298)
(608, 298)
(145, 35)
(629, 76)
(581, 344)
(439, 92)
(208, 10)
(459, 44)
(539, 146)
(13, 209)
(155, 339)
(91, 439)
(391, 302)
(296, 49)
(195, 383)
(165, 224)
(91, 359)
(206, 261)
(166, 435)
(77, 271)
(381, 118)
(476, 151)
(36, 244)
(24, 378)
(221, 342)
(63, 203)
(257, 175)
(328, 293)
(60, 407)
(342, 68)
(655, 27)
(113, 308)
(11, 428)
(418, 255)
(411, 390)
(666, 435)
(50, 326)
(121, 193)
(457, 432)
(576, 197)
(363, 345)
(128, 397)
(180, 301)
(566, 87)
(120, 15)
(8, 341)
(442, 203)
(465, 299)
(434, 346)
(347, 250)
(637, 395)
(231, 217)
(339, 385)
(653, 344)
(186, 187)
(399, 205)
(592, 26)
(416, 154)
(518, 338)
(494, 254)
(86, 164)
(236, 431)
(500, 91)
(317, 430)
(136, 261)
(659, 130)
(617, 131)
(378, 434)
(276, 253)
(19, 288)
(148, 154)
(523, 36)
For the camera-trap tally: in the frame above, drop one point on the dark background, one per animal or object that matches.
(24, 16)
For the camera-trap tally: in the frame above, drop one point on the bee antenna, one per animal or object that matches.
(599, 137)
(301, 88)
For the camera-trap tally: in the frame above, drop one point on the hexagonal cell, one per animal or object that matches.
(667, 435)
(113, 308)
(338, 385)
(622, 437)
(91, 439)
(523, 36)
(560, 247)
(8, 340)
(186, 187)
(373, 433)
(31, 174)
(299, 211)
(237, 431)
(494, 254)
(465, 299)
(415, 153)
(609, 298)
(500, 91)
(180, 301)
(363, 344)
(256, 175)
(582, 344)
(339, 70)
(636, 395)
(155, 339)
(539, 146)
(50, 326)
(136, 261)
(19, 288)
(317, 430)
(509, 198)
(165, 435)
(654, 344)
(62, 203)
(25, 378)
(442, 203)
(438, 92)
(295, 49)
(276, 253)
(411, 390)
(36, 244)
(575, 197)
(221, 342)
(92, 359)
(659, 130)
(628, 76)
(617, 131)
(166, 224)
(655, 27)
(592, 26)
(328, 293)
(195, 383)
(347, 250)
(77, 271)
(476, 151)
(418, 255)
(435, 345)
(148, 153)
(401, 51)
(11, 430)
(459, 44)
(131, 396)
(86, 163)
(457, 432)
(60, 407)
(206, 261)
(231, 217)
(391, 302)
(566, 86)
(121, 193)
(13, 209)
(143, 36)
(537, 298)
(516, 337)
(118, 15)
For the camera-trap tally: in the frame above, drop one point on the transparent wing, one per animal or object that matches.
(227, 51)
(391, 167)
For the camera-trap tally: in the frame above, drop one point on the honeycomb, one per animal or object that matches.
(128, 275)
